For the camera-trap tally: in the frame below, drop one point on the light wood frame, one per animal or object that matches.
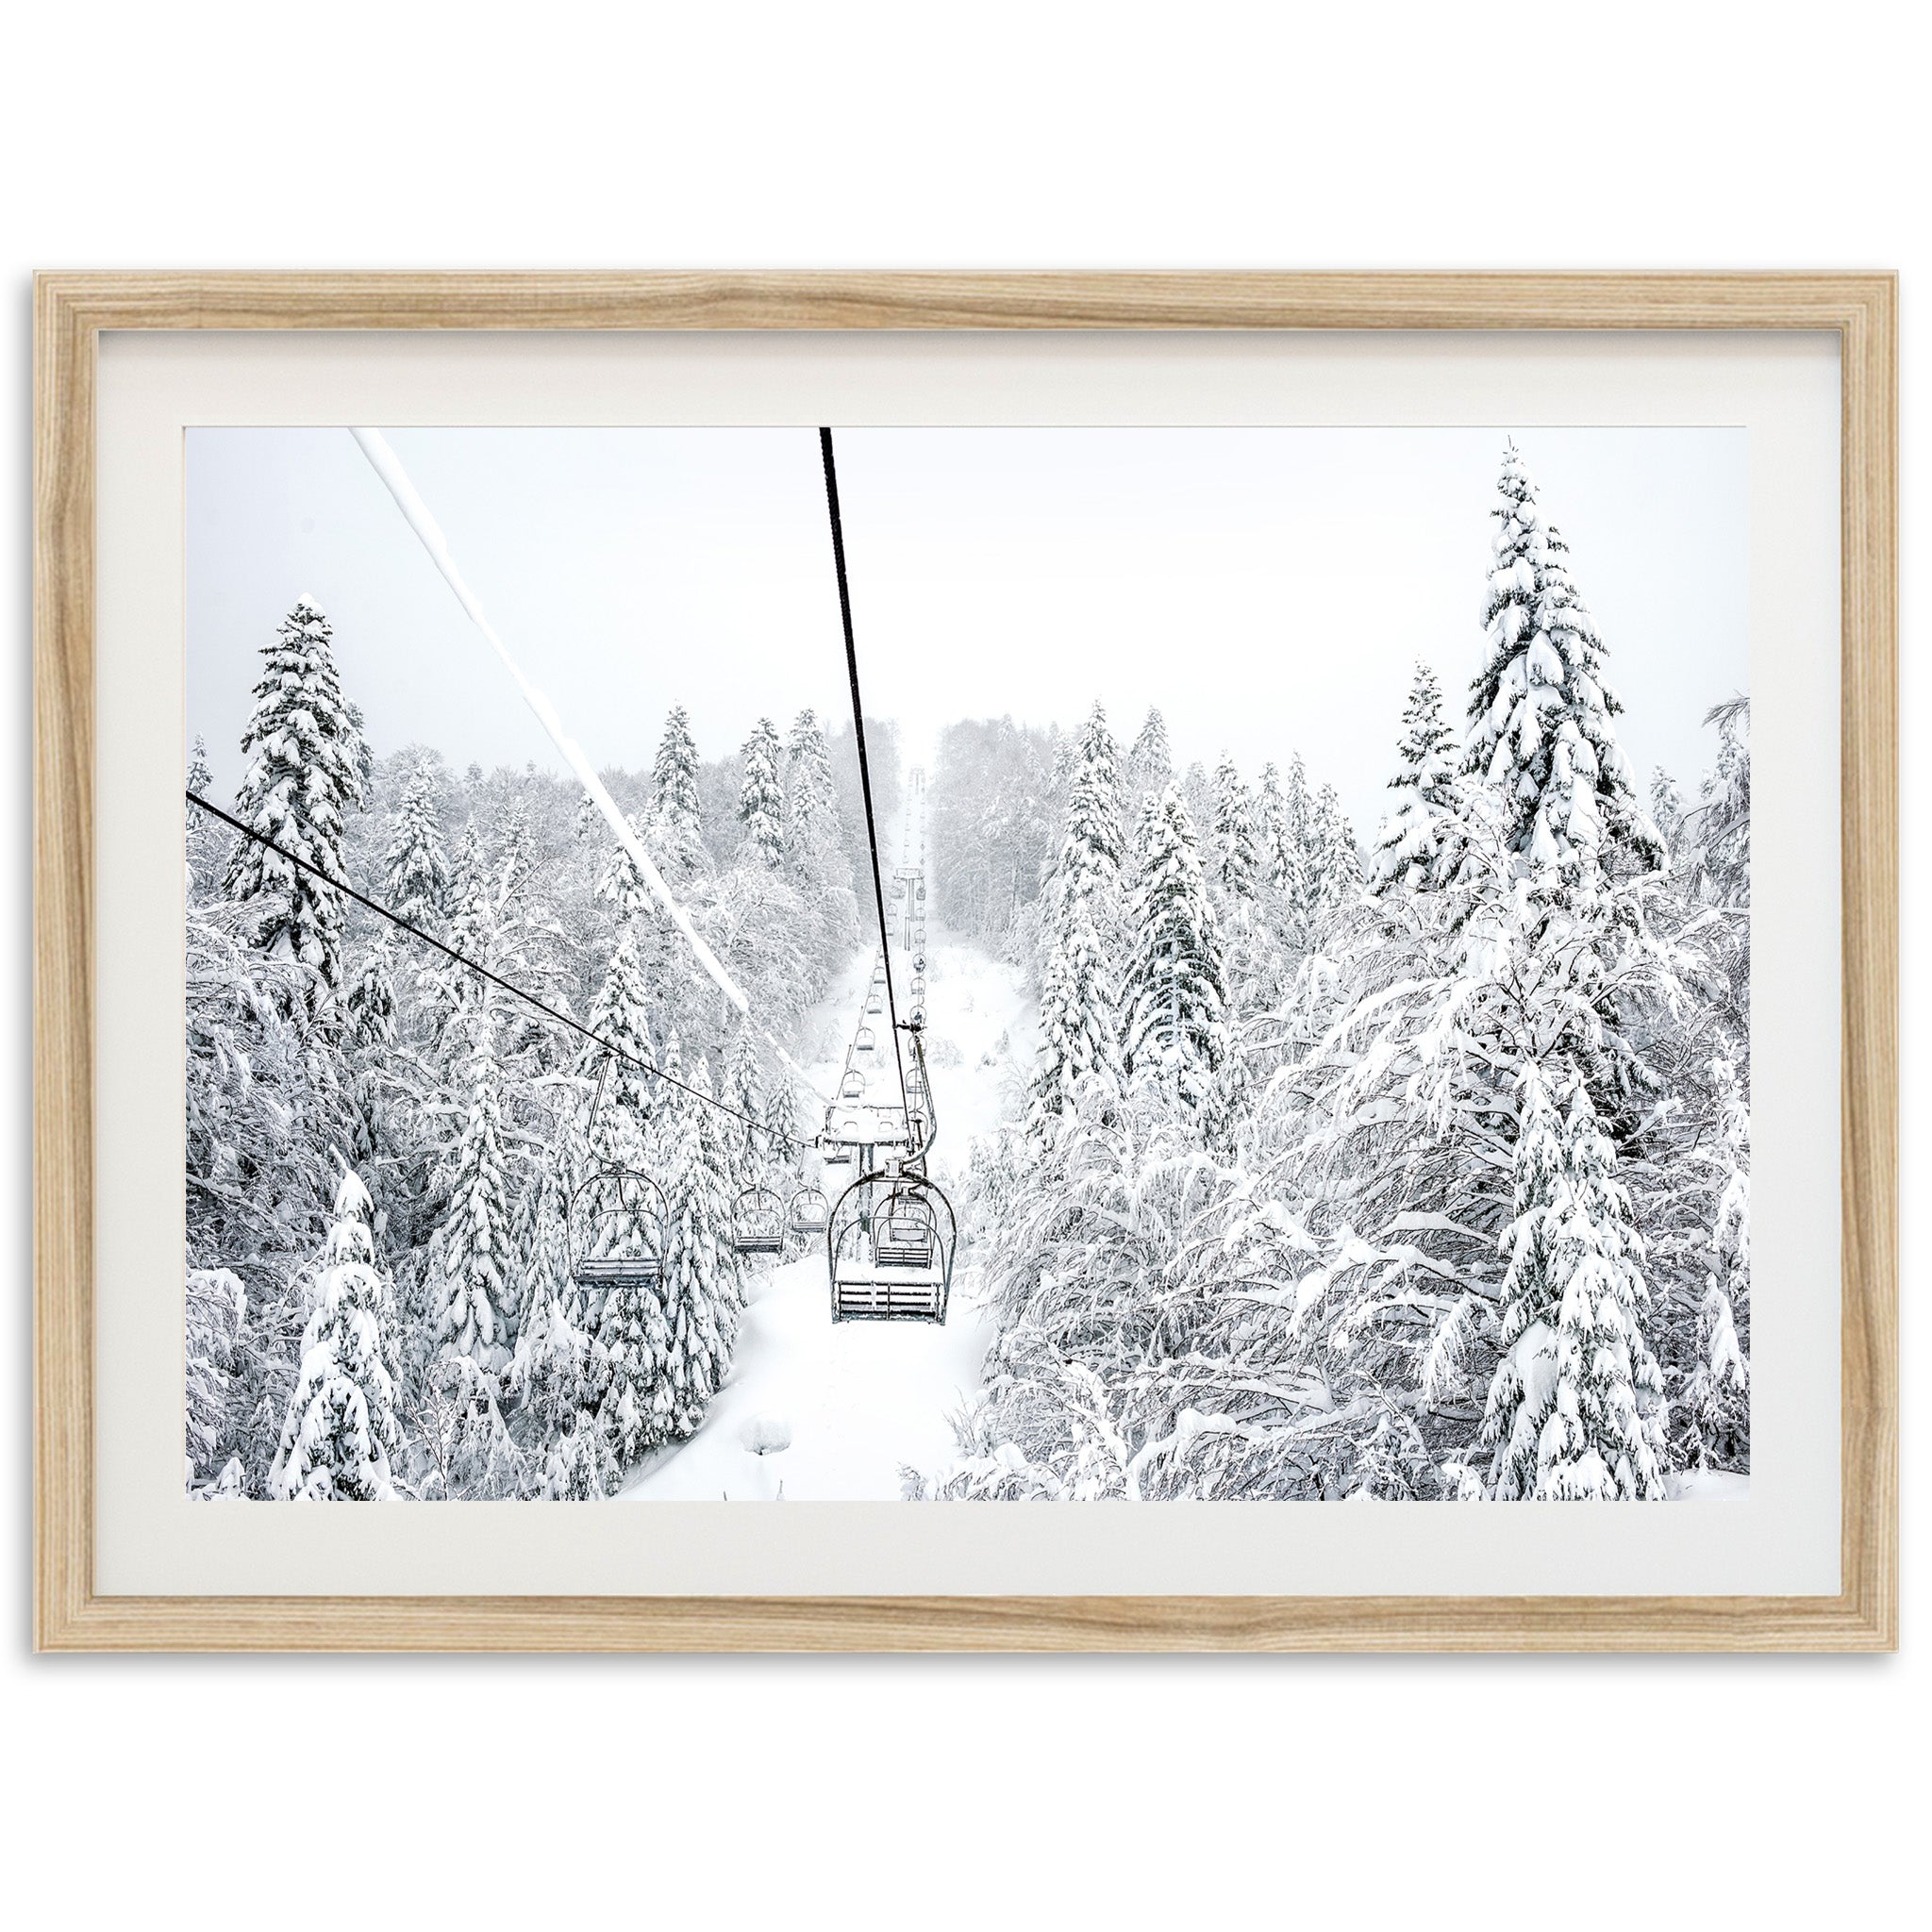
(71, 311)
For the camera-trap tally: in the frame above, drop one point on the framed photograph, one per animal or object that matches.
(884, 914)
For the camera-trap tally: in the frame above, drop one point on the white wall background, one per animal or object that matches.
(1417, 1793)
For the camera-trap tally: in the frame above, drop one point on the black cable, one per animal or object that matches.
(872, 837)
(496, 978)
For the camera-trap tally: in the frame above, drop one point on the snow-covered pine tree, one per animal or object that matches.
(555, 1374)
(469, 903)
(1237, 850)
(1176, 1038)
(217, 1304)
(811, 809)
(1522, 1391)
(1335, 858)
(1541, 726)
(621, 1015)
(1410, 841)
(755, 1158)
(1576, 1408)
(700, 1267)
(1271, 831)
(1150, 764)
(341, 1435)
(1080, 1000)
(368, 1041)
(305, 756)
(200, 778)
(416, 876)
(474, 1260)
(761, 801)
(634, 1349)
(1717, 1393)
(677, 820)
(1300, 878)
(1666, 805)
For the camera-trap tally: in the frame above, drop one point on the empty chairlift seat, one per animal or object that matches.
(853, 1086)
(891, 1256)
(616, 1225)
(758, 1223)
(810, 1210)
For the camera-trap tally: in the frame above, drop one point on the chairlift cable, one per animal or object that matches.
(496, 978)
(872, 837)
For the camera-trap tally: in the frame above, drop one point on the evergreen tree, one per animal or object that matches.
(340, 1433)
(1576, 1408)
(1541, 726)
(811, 824)
(634, 1349)
(1080, 1017)
(621, 1015)
(1335, 860)
(1177, 1038)
(305, 756)
(473, 1254)
(368, 1043)
(416, 876)
(1411, 841)
(1150, 764)
(1717, 1393)
(753, 1155)
(200, 779)
(700, 1274)
(1277, 855)
(675, 774)
(1300, 861)
(1237, 851)
(761, 801)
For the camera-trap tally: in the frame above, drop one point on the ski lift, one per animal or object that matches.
(890, 1255)
(919, 962)
(853, 1086)
(810, 1211)
(874, 1004)
(616, 1221)
(920, 894)
(919, 986)
(918, 935)
(917, 1016)
(862, 1041)
(758, 1223)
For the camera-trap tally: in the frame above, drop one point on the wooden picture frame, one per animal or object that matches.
(72, 311)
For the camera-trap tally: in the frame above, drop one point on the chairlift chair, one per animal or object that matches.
(874, 1004)
(758, 1223)
(890, 1257)
(862, 1041)
(853, 1086)
(615, 1227)
(810, 1210)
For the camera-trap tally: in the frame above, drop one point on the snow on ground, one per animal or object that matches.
(863, 1400)
(1709, 1486)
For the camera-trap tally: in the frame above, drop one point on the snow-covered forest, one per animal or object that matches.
(1407, 1160)
(1410, 1165)
(382, 1144)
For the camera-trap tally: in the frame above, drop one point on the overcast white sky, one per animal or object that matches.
(1269, 588)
